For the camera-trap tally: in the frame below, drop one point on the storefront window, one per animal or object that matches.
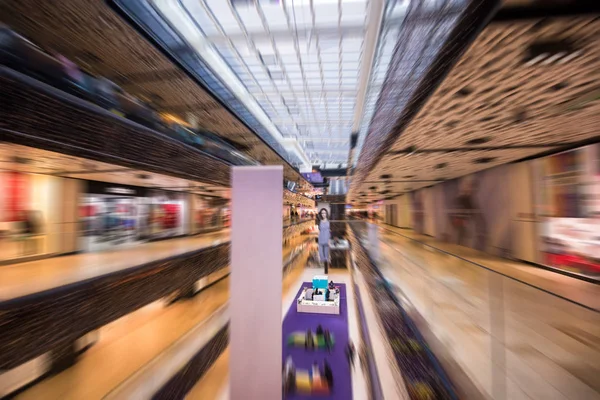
(167, 213)
(116, 215)
(569, 206)
(27, 202)
(210, 214)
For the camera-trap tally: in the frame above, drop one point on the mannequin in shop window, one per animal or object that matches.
(324, 236)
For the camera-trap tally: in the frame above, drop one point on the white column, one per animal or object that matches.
(256, 283)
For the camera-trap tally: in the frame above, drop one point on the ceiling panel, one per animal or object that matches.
(496, 100)
(300, 61)
(31, 160)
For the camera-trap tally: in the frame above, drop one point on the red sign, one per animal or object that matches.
(16, 195)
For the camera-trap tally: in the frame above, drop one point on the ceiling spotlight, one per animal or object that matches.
(386, 176)
(569, 57)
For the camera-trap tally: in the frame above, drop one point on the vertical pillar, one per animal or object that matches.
(256, 283)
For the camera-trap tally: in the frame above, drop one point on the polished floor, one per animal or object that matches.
(499, 337)
(574, 289)
(126, 346)
(25, 278)
(214, 385)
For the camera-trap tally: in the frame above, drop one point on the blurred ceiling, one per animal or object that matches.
(524, 87)
(30, 160)
(96, 38)
(308, 72)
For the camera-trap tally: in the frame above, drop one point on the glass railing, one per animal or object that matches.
(494, 336)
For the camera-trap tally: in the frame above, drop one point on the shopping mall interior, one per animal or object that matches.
(300, 199)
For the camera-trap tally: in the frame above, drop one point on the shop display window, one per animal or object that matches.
(210, 215)
(26, 202)
(116, 216)
(569, 209)
(108, 221)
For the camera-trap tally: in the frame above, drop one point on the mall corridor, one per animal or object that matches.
(300, 199)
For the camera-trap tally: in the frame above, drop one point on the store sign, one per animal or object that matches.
(111, 188)
(120, 190)
(16, 195)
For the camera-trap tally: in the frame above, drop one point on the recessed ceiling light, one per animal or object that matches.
(441, 165)
(559, 86)
(373, 187)
(480, 140)
(484, 160)
(520, 116)
(465, 91)
(385, 176)
(21, 160)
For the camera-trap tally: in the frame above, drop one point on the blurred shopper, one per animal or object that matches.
(469, 219)
(71, 69)
(350, 351)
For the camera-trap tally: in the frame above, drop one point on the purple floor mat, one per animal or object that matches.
(303, 359)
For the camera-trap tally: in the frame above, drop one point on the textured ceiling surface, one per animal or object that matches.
(93, 36)
(494, 107)
(26, 159)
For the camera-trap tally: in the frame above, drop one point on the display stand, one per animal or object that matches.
(318, 304)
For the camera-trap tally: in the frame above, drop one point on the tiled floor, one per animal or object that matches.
(511, 339)
(30, 277)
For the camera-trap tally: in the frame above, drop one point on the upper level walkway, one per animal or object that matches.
(22, 279)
